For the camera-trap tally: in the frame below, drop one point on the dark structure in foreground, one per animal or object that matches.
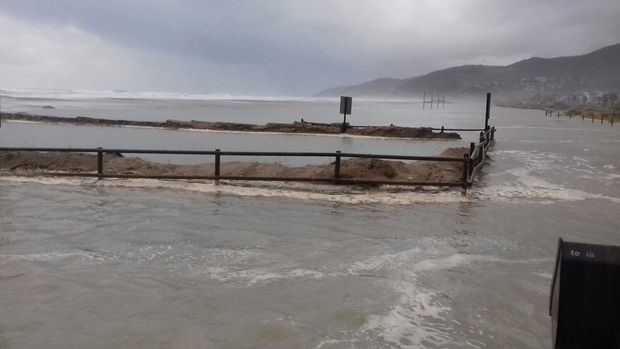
(584, 302)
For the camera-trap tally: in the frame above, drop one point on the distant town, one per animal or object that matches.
(588, 99)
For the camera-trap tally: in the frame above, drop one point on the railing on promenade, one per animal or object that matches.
(218, 154)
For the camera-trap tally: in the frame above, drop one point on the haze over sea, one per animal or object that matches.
(122, 263)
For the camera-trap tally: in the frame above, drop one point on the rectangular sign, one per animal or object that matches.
(345, 105)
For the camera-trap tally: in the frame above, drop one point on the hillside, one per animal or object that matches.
(595, 71)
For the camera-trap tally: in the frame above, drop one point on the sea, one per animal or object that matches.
(191, 264)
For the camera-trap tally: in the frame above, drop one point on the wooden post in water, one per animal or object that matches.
(612, 120)
(99, 163)
(337, 165)
(217, 166)
(601, 118)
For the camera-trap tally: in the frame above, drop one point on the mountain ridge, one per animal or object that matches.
(596, 70)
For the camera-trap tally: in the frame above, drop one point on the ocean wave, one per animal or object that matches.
(49, 94)
(121, 94)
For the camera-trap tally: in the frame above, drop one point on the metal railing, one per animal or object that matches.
(218, 154)
(478, 153)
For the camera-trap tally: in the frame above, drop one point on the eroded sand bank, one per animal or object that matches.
(295, 127)
(373, 169)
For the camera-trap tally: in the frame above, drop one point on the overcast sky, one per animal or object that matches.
(286, 47)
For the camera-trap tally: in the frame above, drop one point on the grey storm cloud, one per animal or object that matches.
(282, 47)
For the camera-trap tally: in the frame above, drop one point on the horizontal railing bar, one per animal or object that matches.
(401, 157)
(233, 153)
(457, 129)
(242, 178)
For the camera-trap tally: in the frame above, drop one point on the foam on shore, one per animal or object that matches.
(390, 195)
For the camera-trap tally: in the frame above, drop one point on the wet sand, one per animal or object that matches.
(295, 127)
(367, 169)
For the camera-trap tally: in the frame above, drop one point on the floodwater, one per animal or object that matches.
(172, 264)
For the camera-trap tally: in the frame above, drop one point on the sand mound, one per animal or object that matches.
(373, 169)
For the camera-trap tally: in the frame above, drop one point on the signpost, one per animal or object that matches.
(345, 108)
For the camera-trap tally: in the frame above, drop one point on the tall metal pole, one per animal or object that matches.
(488, 112)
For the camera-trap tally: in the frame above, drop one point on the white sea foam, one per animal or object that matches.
(544, 275)
(336, 342)
(389, 195)
(154, 95)
(527, 183)
(580, 130)
(535, 188)
(253, 277)
(51, 256)
(419, 319)
(421, 316)
(111, 94)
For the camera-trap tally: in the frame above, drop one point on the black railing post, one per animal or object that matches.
(217, 166)
(465, 172)
(488, 112)
(337, 165)
(99, 162)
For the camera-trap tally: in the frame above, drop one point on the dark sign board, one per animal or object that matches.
(585, 296)
(345, 105)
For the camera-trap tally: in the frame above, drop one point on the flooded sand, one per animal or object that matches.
(18, 162)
